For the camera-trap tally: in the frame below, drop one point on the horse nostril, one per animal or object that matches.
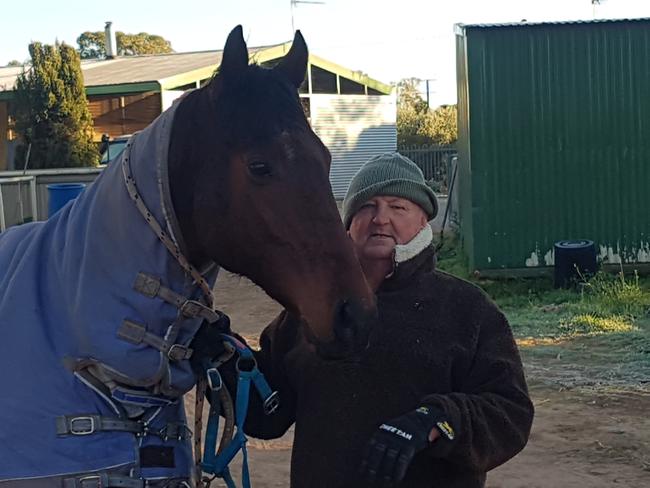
(351, 331)
(350, 325)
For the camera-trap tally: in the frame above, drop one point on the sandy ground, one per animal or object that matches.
(583, 438)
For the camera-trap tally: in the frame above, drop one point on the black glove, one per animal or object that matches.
(208, 344)
(392, 447)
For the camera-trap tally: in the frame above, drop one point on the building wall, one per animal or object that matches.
(555, 141)
(354, 128)
(116, 115)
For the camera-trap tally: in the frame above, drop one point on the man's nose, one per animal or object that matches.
(380, 217)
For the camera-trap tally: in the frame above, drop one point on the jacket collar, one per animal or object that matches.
(411, 259)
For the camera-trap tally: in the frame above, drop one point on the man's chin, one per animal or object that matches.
(378, 252)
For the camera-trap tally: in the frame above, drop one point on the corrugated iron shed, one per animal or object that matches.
(554, 140)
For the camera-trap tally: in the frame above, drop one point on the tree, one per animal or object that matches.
(441, 125)
(14, 63)
(411, 113)
(417, 124)
(51, 110)
(93, 44)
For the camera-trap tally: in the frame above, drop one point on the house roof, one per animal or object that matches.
(166, 71)
(8, 77)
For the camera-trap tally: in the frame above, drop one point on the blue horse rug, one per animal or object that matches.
(96, 317)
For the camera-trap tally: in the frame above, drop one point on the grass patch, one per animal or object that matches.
(591, 324)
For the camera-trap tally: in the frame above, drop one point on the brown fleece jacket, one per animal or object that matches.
(439, 341)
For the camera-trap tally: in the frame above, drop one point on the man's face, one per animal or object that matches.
(382, 222)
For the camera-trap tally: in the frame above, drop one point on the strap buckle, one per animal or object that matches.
(272, 403)
(94, 478)
(192, 308)
(85, 429)
(178, 352)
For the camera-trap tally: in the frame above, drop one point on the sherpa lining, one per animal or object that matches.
(404, 252)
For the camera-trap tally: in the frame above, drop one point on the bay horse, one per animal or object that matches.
(100, 303)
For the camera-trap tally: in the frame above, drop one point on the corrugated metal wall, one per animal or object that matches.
(554, 122)
(354, 128)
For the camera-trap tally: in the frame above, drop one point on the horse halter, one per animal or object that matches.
(171, 246)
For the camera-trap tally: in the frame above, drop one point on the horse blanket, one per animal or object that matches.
(93, 356)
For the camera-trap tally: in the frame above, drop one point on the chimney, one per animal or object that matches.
(111, 44)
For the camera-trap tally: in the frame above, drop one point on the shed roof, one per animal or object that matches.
(460, 28)
(166, 71)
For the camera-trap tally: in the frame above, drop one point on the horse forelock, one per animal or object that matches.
(257, 107)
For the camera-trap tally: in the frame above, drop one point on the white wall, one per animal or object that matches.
(354, 128)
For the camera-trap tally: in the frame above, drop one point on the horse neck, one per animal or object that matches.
(188, 129)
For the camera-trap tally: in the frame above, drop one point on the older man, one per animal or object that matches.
(439, 396)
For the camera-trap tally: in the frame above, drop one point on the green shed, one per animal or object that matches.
(554, 142)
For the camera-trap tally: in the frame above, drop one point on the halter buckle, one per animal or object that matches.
(272, 403)
(214, 379)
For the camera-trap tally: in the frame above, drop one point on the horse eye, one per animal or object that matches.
(260, 169)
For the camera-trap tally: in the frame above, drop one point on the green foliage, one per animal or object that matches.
(14, 63)
(417, 124)
(52, 110)
(93, 44)
(441, 125)
(587, 323)
(617, 294)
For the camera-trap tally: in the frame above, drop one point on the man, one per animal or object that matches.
(439, 396)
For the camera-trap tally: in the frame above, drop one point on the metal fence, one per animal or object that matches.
(24, 196)
(19, 193)
(434, 161)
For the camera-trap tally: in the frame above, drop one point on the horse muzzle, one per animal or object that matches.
(352, 325)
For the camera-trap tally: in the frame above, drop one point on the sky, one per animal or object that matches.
(388, 40)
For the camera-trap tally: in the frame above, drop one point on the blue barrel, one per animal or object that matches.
(62, 193)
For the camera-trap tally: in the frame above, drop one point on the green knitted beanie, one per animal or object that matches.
(388, 174)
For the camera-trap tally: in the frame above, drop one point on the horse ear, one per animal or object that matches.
(294, 64)
(235, 53)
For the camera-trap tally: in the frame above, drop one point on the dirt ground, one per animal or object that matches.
(593, 437)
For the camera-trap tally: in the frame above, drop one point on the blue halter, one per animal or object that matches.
(247, 372)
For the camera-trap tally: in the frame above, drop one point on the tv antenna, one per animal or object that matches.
(295, 3)
(593, 6)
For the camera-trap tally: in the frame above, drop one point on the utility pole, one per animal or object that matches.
(426, 83)
(294, 3)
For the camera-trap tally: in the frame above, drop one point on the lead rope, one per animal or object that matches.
(201, 385)
(158, 230)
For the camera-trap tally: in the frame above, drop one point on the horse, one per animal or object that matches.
(100, 303)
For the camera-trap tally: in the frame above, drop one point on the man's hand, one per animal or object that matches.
(208, 344)
(393, 446)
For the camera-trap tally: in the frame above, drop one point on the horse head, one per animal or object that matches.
(249, 184)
